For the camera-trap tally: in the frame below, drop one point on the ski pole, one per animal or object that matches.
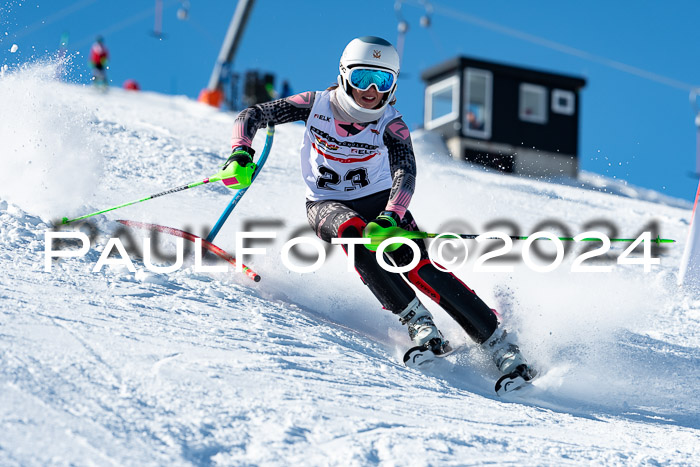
(216, 178)
(419, 235)
(234, 201)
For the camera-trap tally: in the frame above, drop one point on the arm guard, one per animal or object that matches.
(402, 163)
(250, 120)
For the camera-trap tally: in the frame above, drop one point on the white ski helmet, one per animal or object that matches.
(366, 52)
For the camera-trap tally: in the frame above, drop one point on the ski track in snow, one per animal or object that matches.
(188, 368)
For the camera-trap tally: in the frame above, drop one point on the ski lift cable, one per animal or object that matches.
(67, 11)
(204, 32)
(125, 23)
(558, 46)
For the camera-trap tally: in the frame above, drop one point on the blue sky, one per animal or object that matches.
(640, 58)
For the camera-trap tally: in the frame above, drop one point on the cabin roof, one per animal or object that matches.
(448, 67)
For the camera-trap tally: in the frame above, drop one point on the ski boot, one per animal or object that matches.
(428, 340)
(509, 361)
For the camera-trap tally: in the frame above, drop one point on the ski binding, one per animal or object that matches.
(417, 357)
(522, 376)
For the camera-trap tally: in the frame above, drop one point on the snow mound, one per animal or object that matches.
(114, 367)
(50, 157)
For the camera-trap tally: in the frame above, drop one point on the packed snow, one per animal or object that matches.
(195, 368)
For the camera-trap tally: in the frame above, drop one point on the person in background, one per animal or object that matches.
(131, 85)
(99, 57)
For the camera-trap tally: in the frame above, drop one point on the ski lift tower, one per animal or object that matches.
(402, 27)
(213, 94)
(689, 270)
(696, 109)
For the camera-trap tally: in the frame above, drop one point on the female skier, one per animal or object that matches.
(358, 164)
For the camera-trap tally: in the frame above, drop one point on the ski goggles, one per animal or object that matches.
(362, 78)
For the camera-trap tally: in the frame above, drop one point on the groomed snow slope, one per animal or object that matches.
(117, 368)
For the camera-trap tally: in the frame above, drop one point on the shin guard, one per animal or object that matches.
(458, 300)
(389, 288)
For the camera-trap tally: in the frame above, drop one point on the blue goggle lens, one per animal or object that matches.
(362, 79)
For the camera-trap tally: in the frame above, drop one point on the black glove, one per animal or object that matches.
(381, 228)
(387, 219)
(241, 154)
(239, 168)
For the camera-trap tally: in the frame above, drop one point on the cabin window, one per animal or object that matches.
(441, 102)
(533, 103)
(563, 102)
(477, 103)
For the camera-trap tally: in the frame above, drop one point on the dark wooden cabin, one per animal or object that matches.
(510, 118)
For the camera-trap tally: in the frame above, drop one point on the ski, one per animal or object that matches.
(421, 357)
(417, 357)
(521, 377)
(191, 237)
